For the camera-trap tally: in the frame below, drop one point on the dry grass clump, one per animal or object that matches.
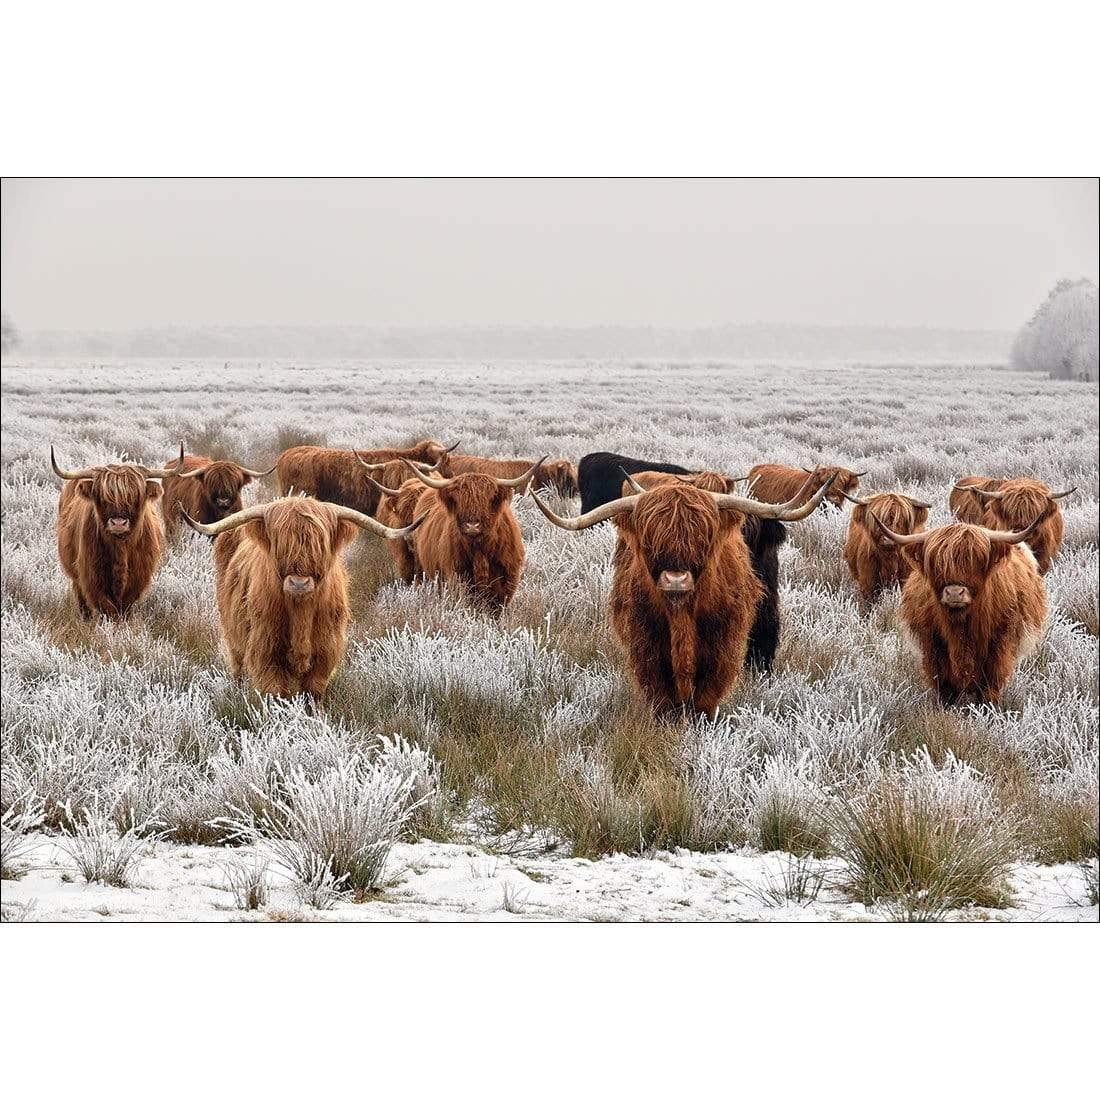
(17, 825)
(102, 853)
(925, 840)
(248, 883)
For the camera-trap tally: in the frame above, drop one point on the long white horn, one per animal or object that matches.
(431, 482)
(597, 515)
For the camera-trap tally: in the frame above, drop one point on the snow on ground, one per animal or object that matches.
(461, 882)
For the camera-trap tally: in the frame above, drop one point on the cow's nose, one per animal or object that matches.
(673, 581)
(955, 595)
(297, 586)
(118, 524)
(472, 528)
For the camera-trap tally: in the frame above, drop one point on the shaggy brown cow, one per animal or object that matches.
(283, 592)
(560, 474)
(684, 595)
(209, 490)
(1024, 502)
(777, 484)
(395, 473)
(874, 560)
(109, 536)
(968, 505)
(973, 605)
(337, 476)
(469, 533)
(397, 508)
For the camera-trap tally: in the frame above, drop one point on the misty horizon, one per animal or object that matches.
(115, 256)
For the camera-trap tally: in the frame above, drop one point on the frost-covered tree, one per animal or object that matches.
(1061, 338)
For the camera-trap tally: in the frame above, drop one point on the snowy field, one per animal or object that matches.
(505, 770)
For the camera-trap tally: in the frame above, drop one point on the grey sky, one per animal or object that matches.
(120, 254)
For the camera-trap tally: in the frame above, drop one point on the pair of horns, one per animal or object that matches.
(790, 511)
(867, 500)
(506, 482)
(258, 511)
(381, 465)
(148, 472)
(854, 473)
(993, 536)
(998, 494)
(244, 470)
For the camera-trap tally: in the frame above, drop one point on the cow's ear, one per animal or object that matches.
(914, 555)
(153, 490)
(448, 499)
(920, 517)
(345, 532)
(84, 488)
(256, 530)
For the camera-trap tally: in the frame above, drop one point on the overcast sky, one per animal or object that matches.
(121, 254)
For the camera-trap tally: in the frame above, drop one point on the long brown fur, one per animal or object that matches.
(400, 511)
(201, 495)
(685, 651)
(1024, 500)
(334, 475)
(968, 506)
(778, 484)
(969, 655)
(285, 644)
(559, 473)
(875, 562)
(109, 574)
(489, 565)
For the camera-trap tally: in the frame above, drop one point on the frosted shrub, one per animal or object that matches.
(926, 839)
(787, 808)
(248, 883)
(342, 821)
(100, 851)
(20, 819)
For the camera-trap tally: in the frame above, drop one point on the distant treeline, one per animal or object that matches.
(760, 341)
(1062, 337)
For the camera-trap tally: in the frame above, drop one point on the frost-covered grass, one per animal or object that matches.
(524, 736)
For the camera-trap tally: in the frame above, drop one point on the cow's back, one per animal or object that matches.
(600, 475)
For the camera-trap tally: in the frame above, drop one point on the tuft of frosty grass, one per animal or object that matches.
(525, 734)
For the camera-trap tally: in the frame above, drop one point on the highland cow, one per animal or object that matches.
(973, 605)
(207, 489)
(874, 560)
(684, 596)
(776, 484)
(397, 508)
(559, 474)
(1024, 502)
(109, 535)
(968, 505)
(337, 475)
(469, 534)
(283, 590)
(600, 476)
(763, 537)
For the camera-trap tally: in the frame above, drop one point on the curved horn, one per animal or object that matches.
(151, 475)
(917, 503)
(1013, 536)
(365, 464)
(259, 473)
(597, 515)
(635, 487)
(858, 473)
(854, 500)
(368, 523)
(237, 519)
(72, 475)
(516, 482)
(790, 511)
(1063, 493)
(431, 482)
(452, 447)
(806, 470)
(385, 490)
(901, 540)
(991, 494)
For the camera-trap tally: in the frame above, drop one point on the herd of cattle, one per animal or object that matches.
(696, 569)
